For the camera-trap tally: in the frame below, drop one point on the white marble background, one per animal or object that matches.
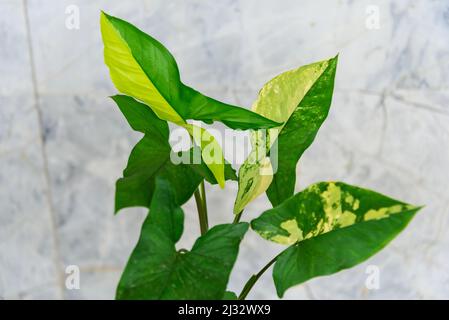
(63, 143)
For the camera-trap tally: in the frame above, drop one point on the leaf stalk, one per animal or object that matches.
(253, 279)
(201, 205)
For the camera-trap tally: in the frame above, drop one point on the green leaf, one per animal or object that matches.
(143, 68)
(229, 295)
(300, 99)
(152, 157)
(141, 118)
(156, 270)
(330, 226)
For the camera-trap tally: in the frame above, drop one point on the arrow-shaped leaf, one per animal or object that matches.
(156, 270)
(143, 68)
(330, 226)
(300, 99)
(152, 157)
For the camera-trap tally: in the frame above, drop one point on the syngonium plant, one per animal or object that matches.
(327, 227)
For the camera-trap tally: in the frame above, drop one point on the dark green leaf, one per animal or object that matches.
(141, 118)
(331, 226)
(151, 157)
(156, 270)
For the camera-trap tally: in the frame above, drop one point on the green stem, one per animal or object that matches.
(201, 207)
(204, 202)
(237, 217)
(252, 281)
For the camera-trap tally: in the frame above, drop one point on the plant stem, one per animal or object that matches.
(237, 217)
(204, 202)
(252, 281)
(201, 207)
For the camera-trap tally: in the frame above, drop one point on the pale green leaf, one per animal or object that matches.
(211, 151)
(290, 98)
(128, 76)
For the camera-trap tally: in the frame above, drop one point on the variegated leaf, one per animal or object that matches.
(300, 99)
(143, 68)
(330, 226)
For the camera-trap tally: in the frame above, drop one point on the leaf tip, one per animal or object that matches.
(419, 207)
(280, 290)
(104, 14)
(116, 210)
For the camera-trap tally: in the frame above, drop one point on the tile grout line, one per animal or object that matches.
(53, 219)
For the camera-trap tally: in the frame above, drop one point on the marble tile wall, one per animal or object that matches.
(63, 143)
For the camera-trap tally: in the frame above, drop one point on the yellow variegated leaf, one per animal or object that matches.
(211, 151)
(322, 208)
(254, 179)
(277, 100)
(129, 77)
(328, 227)
(280, 97)
(143, 68)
